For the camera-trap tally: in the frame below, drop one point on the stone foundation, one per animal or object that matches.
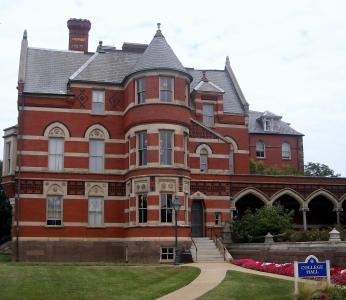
(94, 251)
(289, 252)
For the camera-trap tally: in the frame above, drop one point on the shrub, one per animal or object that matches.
(254, 226)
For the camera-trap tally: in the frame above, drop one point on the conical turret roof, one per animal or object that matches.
(159, 55)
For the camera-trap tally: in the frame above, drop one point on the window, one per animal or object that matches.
(142, 208)
(140, 90)
(286, 150)
(95, 211)
(96, 152)
(208, 115)
(166, 208)
(165, 147)
(142, 143)
(218, 218)
(8, 158)
(54, 204)
(167, 254)
(187, 94)
(166, 89)
(98, 102)
(56, 154)
(203, 160)
(268, 125)
(260, 149)
(186, 141)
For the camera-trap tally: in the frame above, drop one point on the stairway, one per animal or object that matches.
(206, 251)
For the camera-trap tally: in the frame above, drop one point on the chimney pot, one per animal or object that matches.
(78, 34)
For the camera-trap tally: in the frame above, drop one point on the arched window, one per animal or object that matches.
(286, 150)
(56, 133)
(203, 160)
(260, 149)
(97, 135)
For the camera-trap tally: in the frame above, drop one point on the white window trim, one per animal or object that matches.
(173, 86)
(8, 161)
(103, 213)
(289, 151)
(264, 150)
(103, 157)
(137, 149)
(167, 260)
(92, 102)
(172, 150)
(205, 104)
(63, 155)
(62, 210)
(136, 90)
(137, 208)
(173, 213)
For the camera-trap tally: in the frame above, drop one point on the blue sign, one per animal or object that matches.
(312, 268)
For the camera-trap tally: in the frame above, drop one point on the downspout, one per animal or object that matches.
(21, 97)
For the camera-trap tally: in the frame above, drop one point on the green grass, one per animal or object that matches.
(243, 286)
(5, 257)
(58, 281)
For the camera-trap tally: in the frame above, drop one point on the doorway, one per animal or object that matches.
(197, 219)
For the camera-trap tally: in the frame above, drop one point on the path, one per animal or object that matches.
(212, 275)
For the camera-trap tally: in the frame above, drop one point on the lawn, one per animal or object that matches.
(243, 286)
(58, 281)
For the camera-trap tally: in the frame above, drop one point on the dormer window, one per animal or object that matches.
(268, 125)
(140, 83)
(208, 115)
(166, 89)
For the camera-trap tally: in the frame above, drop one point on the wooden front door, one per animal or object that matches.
(197, 219)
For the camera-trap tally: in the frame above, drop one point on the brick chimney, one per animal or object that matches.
(79, 34)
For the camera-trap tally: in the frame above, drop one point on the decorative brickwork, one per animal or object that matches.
(152, 183)
(82, 98)
(31, 186)
(197, 131)
(116, 189)
(211, 188)
(304, 189)
(75, 188)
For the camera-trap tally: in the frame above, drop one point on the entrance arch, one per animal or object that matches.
(249, 199)
(321, 211)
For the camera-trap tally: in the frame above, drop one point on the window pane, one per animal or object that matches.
(95, 211)
(98, 98)
(204, 162)
(142, 148)
(55, 154)
(54, 210)
(165, 147)
(166, 89)
(141, 90)
(96, 155)
(208, 115)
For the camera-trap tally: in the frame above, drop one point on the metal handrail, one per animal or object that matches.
(218, 243)
(194, 245)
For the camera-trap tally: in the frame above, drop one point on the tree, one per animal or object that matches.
(254, 226)
(5, 216)
(257, 167)
(317, 169)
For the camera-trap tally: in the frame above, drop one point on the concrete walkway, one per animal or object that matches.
(211, 275)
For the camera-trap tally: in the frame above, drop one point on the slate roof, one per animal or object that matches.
(158, 55)
(255, 125)
(48, 71)
(231, 101)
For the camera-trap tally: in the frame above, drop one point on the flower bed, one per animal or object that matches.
(338, 275)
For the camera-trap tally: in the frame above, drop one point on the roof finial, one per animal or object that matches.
(204, 77)
(227, 61)
(25, 35)
(158, 31)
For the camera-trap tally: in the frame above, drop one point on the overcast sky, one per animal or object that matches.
(289, 56)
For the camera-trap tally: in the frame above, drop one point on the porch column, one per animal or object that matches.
(338, 210)
(304, 210)
(232, 210)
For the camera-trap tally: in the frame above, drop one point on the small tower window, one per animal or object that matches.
(166, 89)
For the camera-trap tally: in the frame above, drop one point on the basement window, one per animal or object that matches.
(167, 254)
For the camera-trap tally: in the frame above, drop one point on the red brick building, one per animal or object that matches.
(106, 140)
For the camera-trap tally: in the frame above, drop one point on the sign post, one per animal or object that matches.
(310, 268)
